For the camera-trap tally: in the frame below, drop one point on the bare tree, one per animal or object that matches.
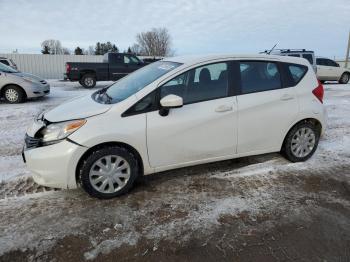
(66, 51)
(136, 49)
(90, 50)
(53, 46)
(156, 42)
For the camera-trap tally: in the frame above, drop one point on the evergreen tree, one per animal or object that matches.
(98, 49)
(129, 50)
(45, 50)
(102, 48)
(78, 51)
(114, 49)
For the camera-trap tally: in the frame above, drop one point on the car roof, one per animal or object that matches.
(196, 59)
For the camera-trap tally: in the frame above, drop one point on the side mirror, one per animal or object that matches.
(170, 101)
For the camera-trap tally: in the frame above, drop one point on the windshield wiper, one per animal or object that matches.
(101, 94)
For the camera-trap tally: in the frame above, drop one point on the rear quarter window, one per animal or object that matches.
(309, 58)
(296, 72)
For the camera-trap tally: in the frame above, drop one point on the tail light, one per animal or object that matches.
(67, 68)
(319, 91)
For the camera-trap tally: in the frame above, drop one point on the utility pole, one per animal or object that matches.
(347, 52)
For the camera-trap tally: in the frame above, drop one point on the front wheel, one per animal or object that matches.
(109, 172)
(14, 94)
(88, 81)
(301, 142)
(344, 79)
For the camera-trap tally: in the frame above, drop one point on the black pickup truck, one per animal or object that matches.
(113, 67)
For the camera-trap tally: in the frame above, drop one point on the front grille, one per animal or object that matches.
(31, 141)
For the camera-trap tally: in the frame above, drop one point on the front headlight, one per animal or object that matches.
(57, 131)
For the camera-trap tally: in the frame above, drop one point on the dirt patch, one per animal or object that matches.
(20, 187)
(316, 184)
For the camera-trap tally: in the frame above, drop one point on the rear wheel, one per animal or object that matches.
(14, 94)
(88, 81)
(301, 142)
(109, 172)
(344, 79)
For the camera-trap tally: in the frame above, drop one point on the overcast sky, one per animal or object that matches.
(196, 26)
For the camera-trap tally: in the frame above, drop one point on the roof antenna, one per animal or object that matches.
(269, 52)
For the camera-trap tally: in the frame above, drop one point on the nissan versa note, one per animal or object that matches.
(178, 112)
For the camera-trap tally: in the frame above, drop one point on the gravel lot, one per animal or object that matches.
(260, 208)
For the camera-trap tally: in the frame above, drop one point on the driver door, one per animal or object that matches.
(203, 129)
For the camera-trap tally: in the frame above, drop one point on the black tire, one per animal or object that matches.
(88, 81)
(14, 94)
(287, 145)
(87, 165)
(344, 79)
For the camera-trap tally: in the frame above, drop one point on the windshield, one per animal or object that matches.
(7, 69)
(134, 82)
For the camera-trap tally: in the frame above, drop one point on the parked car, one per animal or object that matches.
(114, 67)
(329, 70)
(16, 87)
(174, 113)
(303, 53)
(9, 62)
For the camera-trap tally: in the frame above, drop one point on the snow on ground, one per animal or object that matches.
(14, 120)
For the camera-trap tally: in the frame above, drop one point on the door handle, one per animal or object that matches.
(223, 108)
(287, 97)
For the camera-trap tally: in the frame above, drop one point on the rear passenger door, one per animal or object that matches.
(266, 107)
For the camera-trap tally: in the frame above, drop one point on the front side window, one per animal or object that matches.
(134, 82)
(200, 84)
(259, 76)
(318, 61)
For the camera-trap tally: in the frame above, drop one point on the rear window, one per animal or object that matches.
(297, 72)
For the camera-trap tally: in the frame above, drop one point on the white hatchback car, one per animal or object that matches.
(178, 112)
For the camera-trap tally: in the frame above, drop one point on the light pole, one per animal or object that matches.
(347, 52)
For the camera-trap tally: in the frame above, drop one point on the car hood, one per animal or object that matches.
(77, 108)
(34, 77)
